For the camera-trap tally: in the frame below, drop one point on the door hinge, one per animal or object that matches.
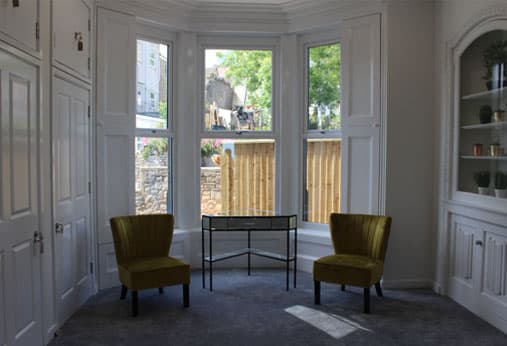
(90, 187)
(89, 25)
(89, 112)
(91, 267)
(37, 30)
(89, 64)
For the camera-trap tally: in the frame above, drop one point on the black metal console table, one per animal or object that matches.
(249, 224)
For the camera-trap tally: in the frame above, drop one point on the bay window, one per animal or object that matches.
(238, 138)
(322, 132)
(153, 141)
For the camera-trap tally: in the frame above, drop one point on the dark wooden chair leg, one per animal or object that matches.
(186, 293)
(367, 300)
(161, 290)
(379, 289)
(123, 292)
(343, 287)
(316, 290)
(134, 304)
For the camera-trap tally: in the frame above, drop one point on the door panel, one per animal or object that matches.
(22, 267)
(20, 143)
(71, 143)
(19, 255)
(20, 21)
(360, 118)
(70, 17)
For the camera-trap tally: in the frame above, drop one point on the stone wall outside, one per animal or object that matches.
(151, 189)
(211, 193)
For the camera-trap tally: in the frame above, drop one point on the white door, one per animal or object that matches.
(21, 19)
(71, 35)
(71, 160)
(20, 264)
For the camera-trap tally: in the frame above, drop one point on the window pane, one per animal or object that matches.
(237, 90)
(152, 176)
(151, 86)
(237, 175)
(324, 87)
(323, 176)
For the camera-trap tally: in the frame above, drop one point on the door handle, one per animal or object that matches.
(59, 228)
(39, 239)
(478, 242)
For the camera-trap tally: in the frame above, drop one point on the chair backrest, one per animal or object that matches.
(142, 236)
(360, 234)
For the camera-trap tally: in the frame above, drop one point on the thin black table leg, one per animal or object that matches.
(295, 254)
(210, 262)
(287, 261)
(203, 268)
(249, 245)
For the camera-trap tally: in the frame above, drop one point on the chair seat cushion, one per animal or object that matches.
(348, 270)
(152, 272)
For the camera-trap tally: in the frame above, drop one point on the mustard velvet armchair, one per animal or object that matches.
(360, 243)
(142, 244)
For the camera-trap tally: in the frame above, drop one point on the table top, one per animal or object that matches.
(249, 220)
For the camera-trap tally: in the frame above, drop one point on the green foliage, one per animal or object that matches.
(482, 178)
(210, 147)
(251, 69)
(500, 181)
(324, 84)
(162, 110)
(495, 54)
(155, 147)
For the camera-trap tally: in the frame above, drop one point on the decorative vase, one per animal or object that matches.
(478, 149)
(498, 116)
(501, 193)
(495, 150)
(483, 190)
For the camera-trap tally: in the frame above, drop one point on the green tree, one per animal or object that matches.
(155, 147)
(324, 81)
(251, 69)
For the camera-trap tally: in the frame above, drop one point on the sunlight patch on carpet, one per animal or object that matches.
(334, 325)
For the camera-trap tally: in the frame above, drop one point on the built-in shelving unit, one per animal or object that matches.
(482, 140)
(486, 95)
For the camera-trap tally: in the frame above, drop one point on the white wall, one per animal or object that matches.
(410, 156)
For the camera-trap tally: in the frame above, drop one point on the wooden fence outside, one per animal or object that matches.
(247, 180)
(323, 177)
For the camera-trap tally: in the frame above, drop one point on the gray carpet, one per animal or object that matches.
(244, 310)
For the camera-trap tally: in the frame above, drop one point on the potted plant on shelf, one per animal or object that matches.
(485, 114)
(495, 62)
(482, 180)
(501, 185)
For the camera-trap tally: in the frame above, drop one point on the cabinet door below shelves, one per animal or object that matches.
(19, 21)
(71, 35)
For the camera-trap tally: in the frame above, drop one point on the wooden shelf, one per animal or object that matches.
(485, 126)
(487, 95)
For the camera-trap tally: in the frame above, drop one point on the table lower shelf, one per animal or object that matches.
(246, 251)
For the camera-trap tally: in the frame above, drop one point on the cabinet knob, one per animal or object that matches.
(15, 3)
(478, 242)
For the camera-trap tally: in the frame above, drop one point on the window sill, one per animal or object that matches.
(318, 236)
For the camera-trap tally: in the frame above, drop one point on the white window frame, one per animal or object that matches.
(310, 41)
(157, 36)
(235, 42)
